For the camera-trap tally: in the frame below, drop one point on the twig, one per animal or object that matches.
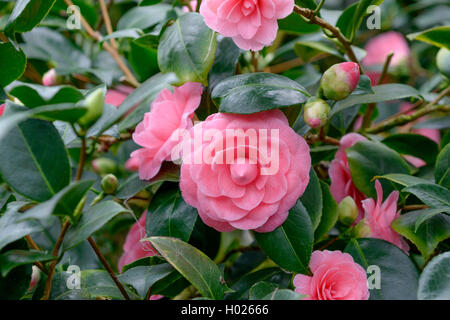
(412, 207)
(385, 68)
(254, 61)
(112, 51)
(34, 246)
(403, 119)
(107, 20)
(313, 138)
(149, 293)
(108, 268)
(310, 15)
(82, 159)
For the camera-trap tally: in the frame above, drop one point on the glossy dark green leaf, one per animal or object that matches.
(428, 213)
(438, 36)
(346, 19)
(15, 258)
(290, 245)
(255, 92)
(429, 233)
(193, 264)
(28, 13)
(431, 194)
(142, 278)
(368, 159)
(35, 169)
(434, 281)
(307, 50)
(34, 95)
(404, 179)
(227, 56)
(384, 92)
(293, 23)
(187, 48)
(12, 63)
(143, 57)
(329, 213)
(261, 289)
(406, 143)
(144, 17)
(283, 294)
(398, 275)
(310, 4)
(442, 168)
(312, 199)
(91, 221)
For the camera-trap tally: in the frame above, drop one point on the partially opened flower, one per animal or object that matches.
(251, 170)
(379, 216)
(169, 112)
(336, 276)
(341, 179)
(50, 78)
(251, 23)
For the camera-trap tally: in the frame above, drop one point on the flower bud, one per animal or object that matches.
(339, 81)
(94, 104)
(362, 230)
(109, 184)
(347, 211)
(51, 78)
(315, 112)
(443, 61)
(104, 166)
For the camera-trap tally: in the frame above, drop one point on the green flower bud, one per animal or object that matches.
(104, 166)
(443, 62)
(109, 184)
(362, 230)
(315, 112)
(348, 211)
(94, 104)
(339, 81)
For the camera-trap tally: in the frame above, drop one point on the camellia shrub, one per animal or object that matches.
(224, 149)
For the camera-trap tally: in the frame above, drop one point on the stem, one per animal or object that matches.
(112, 51)
(403, 119)
(149, 293)
(82, 159)
(254, 61)
(310, 15)
(108, 268)
(34, 246)
(55, 252)
(412, 207)
(313, 138)
(385, 68)
(107, 20)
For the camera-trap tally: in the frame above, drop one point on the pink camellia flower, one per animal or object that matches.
(50, 78)
(336, 276)
(117, 95)
(380, 47)
(251, 23)
(378, 216)
(341, 179)
(169, 113)
(256, 188)
(2, 109)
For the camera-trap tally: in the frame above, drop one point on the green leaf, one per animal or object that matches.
(255, 92)
(428, 235)
(403, 179)
(310, 4)
(261, 289)
(133, 33)
(12, 63)
(144, 17)
(27, 14)
(293, 23)
(290, 245)
(406, 143)
(38, 165)
(142, 278)
(430, 194)
(194, 265)
(428, 213)
(384, 92)
(369, 159)
(283, 294)
(438, 36)
(398, 275)
(227, 56)
(310, 49)
(91, 221)
(442, 168)
(312, 199)
(438, 123)
(144, 56)
(434, 282)
(34, 95)
(15, 258)
(187, 48)
(169, 215)
(329, 213)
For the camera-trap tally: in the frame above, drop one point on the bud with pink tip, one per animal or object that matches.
(339, 81)
(51, 78)
(315, 112)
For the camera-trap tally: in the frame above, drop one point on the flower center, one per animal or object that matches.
(248, 7)
(243, 174)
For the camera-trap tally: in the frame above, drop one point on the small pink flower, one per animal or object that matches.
(117, 95)
(251, 23)
(336, 276)
(2, 109)
(380, 47)
(169, 112)
(380, 215)
(49, 78)
(133, 248)
(254, 191)
(341, 179)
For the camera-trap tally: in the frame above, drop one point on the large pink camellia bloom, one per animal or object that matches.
(169, 112)
(341, 179)
(380, 47)
(251, 23)
(379, 216)
(256, 189)
(336, 276)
